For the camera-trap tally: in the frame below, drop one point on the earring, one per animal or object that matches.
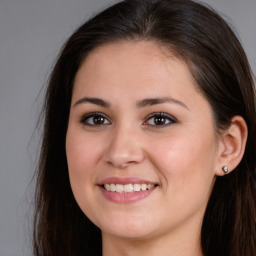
(225, 169)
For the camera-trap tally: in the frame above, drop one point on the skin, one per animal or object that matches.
(182, 157)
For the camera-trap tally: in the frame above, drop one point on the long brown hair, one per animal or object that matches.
(198, 35)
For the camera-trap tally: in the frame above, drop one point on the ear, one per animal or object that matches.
(232, 145)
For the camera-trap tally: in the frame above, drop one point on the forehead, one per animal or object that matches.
(132, 62)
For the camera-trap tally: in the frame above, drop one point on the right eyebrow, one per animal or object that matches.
(95, 101)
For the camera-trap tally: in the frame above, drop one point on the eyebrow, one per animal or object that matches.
(95, 101)
(155, 101)
(139, 104)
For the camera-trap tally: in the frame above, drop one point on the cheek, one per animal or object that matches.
(185, 161)
(82, 157)
(82, 154)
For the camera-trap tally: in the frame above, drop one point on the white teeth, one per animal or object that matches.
(136, 187)
(107, 187)
(128, 188)
(143, 187)
(119, 188)
(112, 187)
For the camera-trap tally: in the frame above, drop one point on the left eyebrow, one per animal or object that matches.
(155, 101)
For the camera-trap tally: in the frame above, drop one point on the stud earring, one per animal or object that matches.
(225, 169)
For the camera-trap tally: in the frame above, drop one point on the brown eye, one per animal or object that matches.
(95, 119)
(98, 120)
(159, 119)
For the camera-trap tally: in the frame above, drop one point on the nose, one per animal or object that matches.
(124, 148)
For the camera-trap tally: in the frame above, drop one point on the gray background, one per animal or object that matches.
(31, 34)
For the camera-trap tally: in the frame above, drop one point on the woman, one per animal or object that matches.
(149, 137)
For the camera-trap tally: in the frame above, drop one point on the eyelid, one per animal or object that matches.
(92, 114)
(161, 114)
(169, 117)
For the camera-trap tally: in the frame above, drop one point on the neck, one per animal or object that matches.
(175, 245)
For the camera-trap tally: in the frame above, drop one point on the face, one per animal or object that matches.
(141, 144)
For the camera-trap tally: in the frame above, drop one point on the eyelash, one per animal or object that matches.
(93, 115)
(163, 116)
(159, 115)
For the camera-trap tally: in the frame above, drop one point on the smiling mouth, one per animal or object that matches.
(128, 188)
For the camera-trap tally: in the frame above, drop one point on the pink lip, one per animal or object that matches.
(125, 197)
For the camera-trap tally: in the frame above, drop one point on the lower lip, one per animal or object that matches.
(126, 197)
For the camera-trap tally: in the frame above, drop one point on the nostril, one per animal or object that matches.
(122, 153)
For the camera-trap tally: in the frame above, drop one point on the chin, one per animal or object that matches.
(128, 229)
(134, 234)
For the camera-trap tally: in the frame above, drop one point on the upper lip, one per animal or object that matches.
(127, 180)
